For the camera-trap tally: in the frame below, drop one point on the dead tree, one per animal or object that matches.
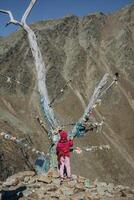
(41, 69)
(38, 61)
(41, 73)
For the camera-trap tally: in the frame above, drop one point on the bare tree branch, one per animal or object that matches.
(27, 12)
(12, 20)
(24, 17)
(97, 92)
(39, 63)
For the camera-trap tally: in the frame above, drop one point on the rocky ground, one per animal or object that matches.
(29, 186)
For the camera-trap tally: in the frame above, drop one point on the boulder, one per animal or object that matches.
(79, 187)
(67, 191)
(92, 196)
(53, 173)
(101, 188)
(44, 178)
(57, 194)
(26, 179)
(51, 188)
(81, 179)
(71, 184)
(79, 196)
(110, 188)
(87, 183)
(11, 181)
(56, 182)
(19, 177)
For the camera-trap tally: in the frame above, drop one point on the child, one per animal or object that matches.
(63, 153)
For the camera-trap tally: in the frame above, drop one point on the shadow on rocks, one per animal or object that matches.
(12, 194)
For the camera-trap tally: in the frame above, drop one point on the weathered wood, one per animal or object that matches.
(39, 63)
(97, 93)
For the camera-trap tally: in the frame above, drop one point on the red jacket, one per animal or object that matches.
(64, 145)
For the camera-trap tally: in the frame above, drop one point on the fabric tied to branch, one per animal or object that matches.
(48, 115)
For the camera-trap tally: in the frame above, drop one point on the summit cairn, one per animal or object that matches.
(30, 186)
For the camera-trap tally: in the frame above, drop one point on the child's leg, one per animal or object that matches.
(65, 171)
(68, 168)
(62, 163)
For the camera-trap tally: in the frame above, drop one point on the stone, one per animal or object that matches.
(62, 197)
(123, 194)
(87, 183)
(22, 198)
(101, 188)
(53, 173)
(119, 187)
(26, 179)
(93, 190)
(34, 185)
(95, 198)
(32, 180)
(46, 197)
(41, 193)
(22, 175)
(108, 194)
(56, 182)
(11, 181)
(27, 193)
(15, 179)
(33, 196)
(78, 196)
(72, 184)
(51, 187)
(74, 177)
(91, 194)
(81, 179)
(44, 178)
(67, 191)
(110, 187)
(1, 185)
(56, 194)
(79, 187)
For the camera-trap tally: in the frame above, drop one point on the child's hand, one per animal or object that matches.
(78, 150)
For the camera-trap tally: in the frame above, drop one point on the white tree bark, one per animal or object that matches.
(96, 95)
(39, 63)
(97, 92)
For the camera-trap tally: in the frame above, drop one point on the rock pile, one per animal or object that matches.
(29, 186)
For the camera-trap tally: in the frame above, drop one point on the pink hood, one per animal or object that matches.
(63, 136)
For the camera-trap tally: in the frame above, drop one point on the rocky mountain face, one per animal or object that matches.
(27, 185)
(81, 49)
